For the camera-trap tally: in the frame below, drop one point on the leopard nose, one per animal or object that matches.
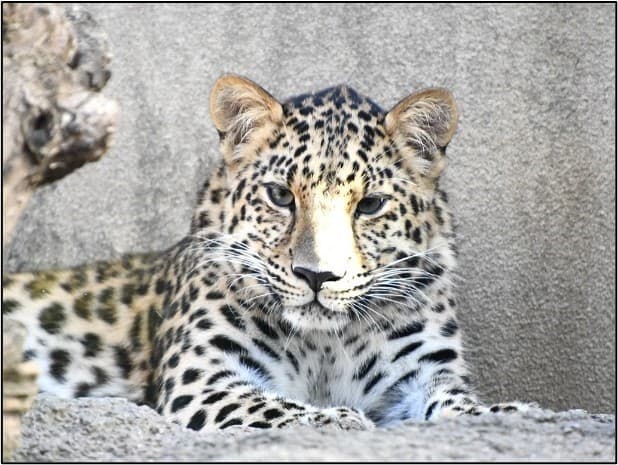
(315, 279)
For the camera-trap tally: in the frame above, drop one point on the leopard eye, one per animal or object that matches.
(371, 205)
(279, 195)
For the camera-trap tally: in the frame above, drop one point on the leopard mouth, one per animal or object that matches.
(316, 306)
(315, 316)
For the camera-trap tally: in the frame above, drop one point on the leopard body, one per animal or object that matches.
(315, 286)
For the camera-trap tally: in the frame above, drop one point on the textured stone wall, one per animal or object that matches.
(532, 168)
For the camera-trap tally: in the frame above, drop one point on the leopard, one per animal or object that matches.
(315, 286)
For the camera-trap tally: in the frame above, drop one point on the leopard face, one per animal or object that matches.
(333, 207)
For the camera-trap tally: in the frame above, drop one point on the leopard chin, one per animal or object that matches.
(315, 316)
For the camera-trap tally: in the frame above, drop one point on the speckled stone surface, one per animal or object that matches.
(115, 430)
(531, 176)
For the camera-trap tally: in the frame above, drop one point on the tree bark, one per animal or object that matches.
(55, 119)
(55, 62)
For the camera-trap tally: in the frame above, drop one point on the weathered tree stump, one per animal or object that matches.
(55, 62)
(55, 119)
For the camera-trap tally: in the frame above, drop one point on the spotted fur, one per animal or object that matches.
(315, 286)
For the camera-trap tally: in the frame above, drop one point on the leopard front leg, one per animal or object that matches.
(243, 404)
(434, 392)
(457, 408)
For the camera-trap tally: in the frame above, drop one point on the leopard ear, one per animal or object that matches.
(425, 123)
(238, 106)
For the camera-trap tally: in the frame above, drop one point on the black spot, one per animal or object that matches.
(227, 345)
(439, 308)
(292, 360)
(194, 293)
(60, 360)
(364, 369)
(127, 293)
(430, 410)
(266, 349)
(216, 397)
(197, 420)
(292, 406)
(256, 407)
(100, 375)
(142, 289)
(360, 349)
(251, 363)
(82, 390)
(173, 361)
(364, 115)
(199, 350)
(92, 344)
(408, 330)
(440, 356)
(198, 313)
(372, 382)
(154, 320)
(232, 422)
(408, 349)
(52, 318)
(272, 413)
(169, 384)
(134, 333)
(449, 328)
(185, 305)
(214, 295)
(232, 315)
(225, 411)
(265, 328)
(218, 375)
(191, 375)
(408, 376)
(299, 151)
(181, 402)
(433, 271)
(123, 361)
(9, 305)
(204, 324)
(456, 391)
(160, 286)
(260, 424)
(416, 235)
(107, 308)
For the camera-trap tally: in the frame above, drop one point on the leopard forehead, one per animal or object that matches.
(331, 142)
(333, 133)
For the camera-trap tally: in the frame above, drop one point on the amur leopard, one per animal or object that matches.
(314, 286)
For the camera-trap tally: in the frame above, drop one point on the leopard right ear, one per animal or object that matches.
(424, 123)
(239, 106)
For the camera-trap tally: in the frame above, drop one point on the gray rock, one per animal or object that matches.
(109, 429)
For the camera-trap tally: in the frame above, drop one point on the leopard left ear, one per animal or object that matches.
(424, 122)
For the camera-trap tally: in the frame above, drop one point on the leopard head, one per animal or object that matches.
(332, 206)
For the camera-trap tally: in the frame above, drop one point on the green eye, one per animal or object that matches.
(279, 195)
(370, 205)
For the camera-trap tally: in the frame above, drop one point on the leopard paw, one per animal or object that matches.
(341, 417)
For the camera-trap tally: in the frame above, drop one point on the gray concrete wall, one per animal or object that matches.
(531, 175)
